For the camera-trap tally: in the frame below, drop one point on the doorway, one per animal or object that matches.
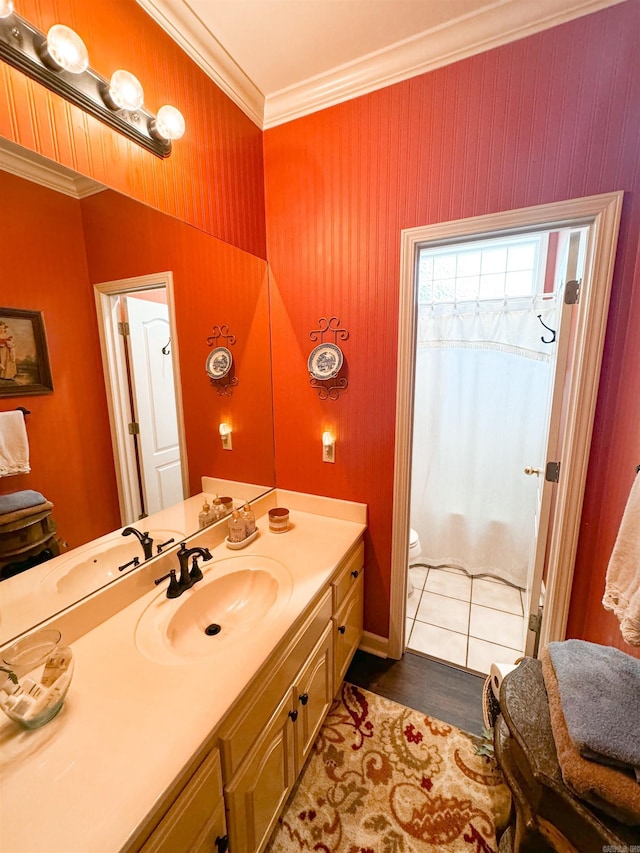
(560, 501)
(139, 350)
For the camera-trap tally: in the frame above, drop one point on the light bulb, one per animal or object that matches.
(66, 50)
(126, 91)
(169, 123)
(6, 8)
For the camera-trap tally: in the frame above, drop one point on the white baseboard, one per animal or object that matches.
(374, 644)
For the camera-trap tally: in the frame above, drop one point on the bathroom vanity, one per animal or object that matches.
(174, 740)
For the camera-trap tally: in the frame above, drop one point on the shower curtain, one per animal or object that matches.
(480, 417)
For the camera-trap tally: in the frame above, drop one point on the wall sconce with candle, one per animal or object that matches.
(225, 435)
(59, 60)
(328, 447)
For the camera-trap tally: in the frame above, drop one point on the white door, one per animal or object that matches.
(570, 269)
(154, 402)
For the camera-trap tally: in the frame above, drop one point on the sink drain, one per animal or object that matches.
(212, 630)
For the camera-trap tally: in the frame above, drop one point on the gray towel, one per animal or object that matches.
(599, 690)
(20, 500)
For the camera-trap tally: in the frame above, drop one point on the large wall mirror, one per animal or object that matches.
(64, 236)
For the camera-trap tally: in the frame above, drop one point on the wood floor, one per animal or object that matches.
(445, 692)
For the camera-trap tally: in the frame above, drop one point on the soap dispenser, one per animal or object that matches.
(249, 519)
(236, 527)
(206, 516)
(217, 508)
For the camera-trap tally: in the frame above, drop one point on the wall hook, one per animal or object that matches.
(549, 329)
(165, 348)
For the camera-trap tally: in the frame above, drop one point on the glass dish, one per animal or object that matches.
(35, 674)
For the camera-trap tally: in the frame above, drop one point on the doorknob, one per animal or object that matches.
(529, 470)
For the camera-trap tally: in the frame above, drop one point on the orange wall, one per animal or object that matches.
(550, 117)
(214, 177)
(44, 269)
(214, 283)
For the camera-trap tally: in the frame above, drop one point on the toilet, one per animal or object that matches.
(415, 550)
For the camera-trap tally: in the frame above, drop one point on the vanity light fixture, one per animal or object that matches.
(328, 447)
(59, 60)
(225, 435)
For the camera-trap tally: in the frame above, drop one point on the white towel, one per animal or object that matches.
(14, 445)
(622, 585)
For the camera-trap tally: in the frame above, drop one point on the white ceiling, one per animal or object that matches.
(280, 59)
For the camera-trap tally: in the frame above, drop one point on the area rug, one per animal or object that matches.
(383, 778)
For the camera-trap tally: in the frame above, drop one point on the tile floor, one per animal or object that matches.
(466, 621)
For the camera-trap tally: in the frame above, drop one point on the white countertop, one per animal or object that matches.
(129, 726)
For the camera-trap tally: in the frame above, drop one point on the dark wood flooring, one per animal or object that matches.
(450, 694)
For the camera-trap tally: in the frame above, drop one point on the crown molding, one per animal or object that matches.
(32, 167)
(475, 33)
(181, 23)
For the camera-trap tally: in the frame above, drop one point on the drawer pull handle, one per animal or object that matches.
(222, 843)
(355, 573)
(304, 698)
(293, 716)
(342, 629)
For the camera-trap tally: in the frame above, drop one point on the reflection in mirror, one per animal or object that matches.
(65, 241)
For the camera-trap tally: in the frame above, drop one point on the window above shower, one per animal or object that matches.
(506, 268)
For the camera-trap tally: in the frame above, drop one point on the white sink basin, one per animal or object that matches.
(235, 595)
(79, 574)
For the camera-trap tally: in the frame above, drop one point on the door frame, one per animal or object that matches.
(116, 385)
(602, 213)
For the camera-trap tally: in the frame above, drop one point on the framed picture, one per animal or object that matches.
(24, 359)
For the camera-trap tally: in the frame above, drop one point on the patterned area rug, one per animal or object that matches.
(383, 778)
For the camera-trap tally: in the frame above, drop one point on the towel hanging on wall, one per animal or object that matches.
(14, 445)
(622, 586)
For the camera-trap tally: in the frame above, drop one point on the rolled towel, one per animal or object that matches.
(611, 790)
(600, 690)
(14, 445)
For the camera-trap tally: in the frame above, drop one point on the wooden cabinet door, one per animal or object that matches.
(313, 694)
(348, 630)
(258, 791)
(213, 838)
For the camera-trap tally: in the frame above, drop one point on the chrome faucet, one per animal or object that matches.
(145, 540)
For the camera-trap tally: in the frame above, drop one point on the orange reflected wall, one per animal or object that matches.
(214, 177)
(550, 117)
(45, 269)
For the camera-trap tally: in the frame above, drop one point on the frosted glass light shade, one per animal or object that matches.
(169, 123)
(126, 91)
(6, 8)
(66, 49)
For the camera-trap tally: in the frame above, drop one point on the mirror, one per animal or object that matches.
(61, 246)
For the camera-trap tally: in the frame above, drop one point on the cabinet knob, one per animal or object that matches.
(342, 629)
(293, 716)
(355, 573)
(222, 843)
(304, 698)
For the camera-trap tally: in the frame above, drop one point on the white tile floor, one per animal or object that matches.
(466, 621)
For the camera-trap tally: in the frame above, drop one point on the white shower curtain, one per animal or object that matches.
(480, 417)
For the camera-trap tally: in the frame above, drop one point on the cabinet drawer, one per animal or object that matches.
(348, 630)
(189, 818)
(347, 576)
(258, 703)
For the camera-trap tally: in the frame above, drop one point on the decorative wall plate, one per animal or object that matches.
(325, 361)
(219, 363)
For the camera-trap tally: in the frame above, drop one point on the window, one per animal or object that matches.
(513, 267)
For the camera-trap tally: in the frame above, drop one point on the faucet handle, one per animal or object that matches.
(195, 574)
(173, 590)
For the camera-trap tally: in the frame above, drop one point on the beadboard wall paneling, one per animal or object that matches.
(45, 269)
(214, 177)
(550, 117)
(213, 283)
